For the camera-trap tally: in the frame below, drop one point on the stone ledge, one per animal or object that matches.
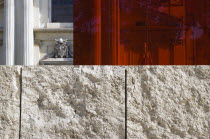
(60, 25)
(57, 61)
(54, 30)
(46, 34)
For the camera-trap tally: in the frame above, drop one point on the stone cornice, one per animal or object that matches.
(54, 30)
(50, 34)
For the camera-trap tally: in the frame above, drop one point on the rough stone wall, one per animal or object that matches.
(73, 102)
(9, 102)
(169, 102)
(88, 102)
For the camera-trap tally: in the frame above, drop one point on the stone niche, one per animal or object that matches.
(44, 44)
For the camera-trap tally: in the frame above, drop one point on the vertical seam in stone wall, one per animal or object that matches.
(20, 102)
(126, 106)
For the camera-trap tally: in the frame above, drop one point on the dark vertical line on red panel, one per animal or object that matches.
(115, 8)
(98, 33)
(110, 28)
(147, 31)
(147, 45)
(185, 32)
(118, 33)
(194, 49)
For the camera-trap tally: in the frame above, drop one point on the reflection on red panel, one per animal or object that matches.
(142, 32)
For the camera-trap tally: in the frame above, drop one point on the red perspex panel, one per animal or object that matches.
(141, 32)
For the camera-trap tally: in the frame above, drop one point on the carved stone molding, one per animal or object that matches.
(46, 34)
(53, 30)
(38, 42)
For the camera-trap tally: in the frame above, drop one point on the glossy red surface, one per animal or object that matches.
(142, 32)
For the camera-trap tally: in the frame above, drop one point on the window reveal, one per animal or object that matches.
(62, 11)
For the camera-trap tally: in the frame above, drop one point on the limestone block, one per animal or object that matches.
(73, 102)
(169, 102)
(9, 102)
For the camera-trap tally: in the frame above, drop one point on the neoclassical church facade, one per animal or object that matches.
(30, 30)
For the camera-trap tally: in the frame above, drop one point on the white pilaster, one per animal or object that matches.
(9, 31)
(27, 31)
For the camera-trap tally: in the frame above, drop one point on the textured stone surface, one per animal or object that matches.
(70, 102)
(169, 102)
(9, 102)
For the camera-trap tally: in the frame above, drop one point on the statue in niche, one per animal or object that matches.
(61, 49)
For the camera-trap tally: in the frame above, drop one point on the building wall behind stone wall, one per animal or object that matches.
(89, 102)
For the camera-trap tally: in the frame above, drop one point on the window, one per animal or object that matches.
(62, 11)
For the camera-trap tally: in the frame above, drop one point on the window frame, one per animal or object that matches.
(51, 24)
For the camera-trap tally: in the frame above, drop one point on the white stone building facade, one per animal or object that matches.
(28, 30)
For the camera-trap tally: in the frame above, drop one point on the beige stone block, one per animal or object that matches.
(60, 25)
(169, 102)
(52, 34)
(9, 102)
(73, 102)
